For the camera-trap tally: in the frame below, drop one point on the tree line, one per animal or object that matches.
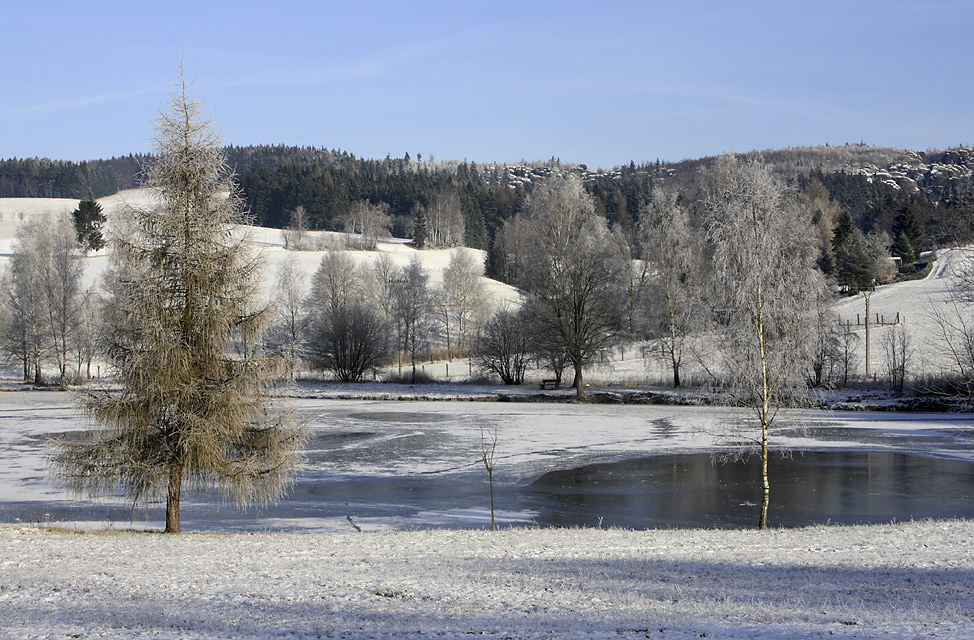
(276, 180)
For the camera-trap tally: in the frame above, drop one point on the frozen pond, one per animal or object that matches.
(381, 464)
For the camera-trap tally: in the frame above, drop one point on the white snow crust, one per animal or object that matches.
(911, 580)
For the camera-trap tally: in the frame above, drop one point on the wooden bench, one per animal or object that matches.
(549, 384)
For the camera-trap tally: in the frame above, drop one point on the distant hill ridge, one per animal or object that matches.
(865, 180)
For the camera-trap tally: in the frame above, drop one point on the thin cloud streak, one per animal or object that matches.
(71, 104)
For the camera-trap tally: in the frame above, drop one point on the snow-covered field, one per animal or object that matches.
(911, 580)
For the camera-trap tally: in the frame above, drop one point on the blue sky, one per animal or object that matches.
(593, 82)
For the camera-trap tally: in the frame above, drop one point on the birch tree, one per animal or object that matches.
(296, 231)
(193, 409)
(674, 253)
(444, 219)
(765, 284)
(27, 329)
(289, 330)
(460, 299)
(371, 221)
(379, 282)
(65, 301)
(411, 310)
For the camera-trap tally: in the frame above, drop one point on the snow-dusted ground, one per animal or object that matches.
(911, 580)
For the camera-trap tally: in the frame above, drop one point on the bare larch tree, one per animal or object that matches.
(194, 405)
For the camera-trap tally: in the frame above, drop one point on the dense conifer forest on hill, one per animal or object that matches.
(872, 184)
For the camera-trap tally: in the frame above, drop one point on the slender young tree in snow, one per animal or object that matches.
(289, 330)
(766, 284)
(193, 408)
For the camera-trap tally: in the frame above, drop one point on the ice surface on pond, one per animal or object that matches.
(383, 464)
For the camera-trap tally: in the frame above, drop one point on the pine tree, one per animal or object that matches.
(907, 234)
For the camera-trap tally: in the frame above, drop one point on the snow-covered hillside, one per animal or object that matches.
(912, 302)
(13, 211)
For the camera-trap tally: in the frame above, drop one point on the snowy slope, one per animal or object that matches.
(270, 243)
(914, 303)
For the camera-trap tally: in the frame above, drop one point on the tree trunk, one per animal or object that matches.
(172, 498)
(763, 522)
(866, 296)
(490, 476)
(676, 370)
(578, 383)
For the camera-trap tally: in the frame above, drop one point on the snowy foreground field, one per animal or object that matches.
(913, 580)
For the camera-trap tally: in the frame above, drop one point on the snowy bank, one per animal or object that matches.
(894, 581)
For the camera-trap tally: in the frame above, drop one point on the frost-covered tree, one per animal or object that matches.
(572, 273)
(460, 299)
(289, 329)
(370, 221)
(444, 219)
(193, 407)
(296, 231)
(502, 346)
(65, 300)
(411, 311)
(766, 283)
(674, 252)
(336, 282)
(44, 298)
(379, 281)
(25, 330)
